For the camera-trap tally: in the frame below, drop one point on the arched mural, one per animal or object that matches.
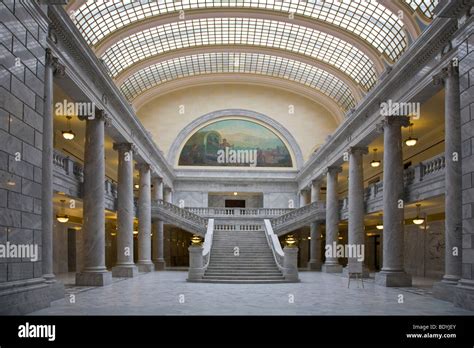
(235, 143)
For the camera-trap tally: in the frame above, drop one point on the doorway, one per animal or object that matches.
(235, 203)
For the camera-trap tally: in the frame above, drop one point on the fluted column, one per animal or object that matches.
(125, 213)
(158, 225)
(392, 273)
(315, 232)
(94, 272)
(144, 219)
(356, 203)
(331, 264)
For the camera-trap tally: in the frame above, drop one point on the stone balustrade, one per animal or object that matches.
(238, 212)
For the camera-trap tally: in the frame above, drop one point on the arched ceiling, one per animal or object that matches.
(337, 47)
(245, 63)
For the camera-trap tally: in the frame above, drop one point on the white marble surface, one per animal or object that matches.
(159, 293)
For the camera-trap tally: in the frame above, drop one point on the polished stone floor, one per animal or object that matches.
(168, 293)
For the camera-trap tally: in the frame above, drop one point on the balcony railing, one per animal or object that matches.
(238, 212)
(69, 177)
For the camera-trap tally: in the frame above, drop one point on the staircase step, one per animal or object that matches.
(248, 277)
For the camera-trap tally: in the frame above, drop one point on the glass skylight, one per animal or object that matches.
(246, 63)
(242, 31)
(367, 19)
(426, 7)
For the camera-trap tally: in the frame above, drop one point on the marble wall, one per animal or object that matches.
(424, 250)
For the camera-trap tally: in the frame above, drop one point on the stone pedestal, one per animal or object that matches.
(392, 273)
(94, 272)
(196, 263)
(290, 264)
(331, 264)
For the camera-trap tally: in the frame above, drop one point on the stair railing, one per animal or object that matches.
(206, 252)
(274, 244)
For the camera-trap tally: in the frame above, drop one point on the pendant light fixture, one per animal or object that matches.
(375, 161)
(68, 134)
(379, 225)
(418, 220)
(411, 140)
(62, 217)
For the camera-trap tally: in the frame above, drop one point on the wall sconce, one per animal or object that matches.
(418, 220)
(68, 134)
(290, 241)
(411, 140)
(62, 217)
(135, 232)
(375, 162)
(235, 193)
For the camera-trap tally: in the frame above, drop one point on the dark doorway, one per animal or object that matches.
(71, 250)
(235, 203)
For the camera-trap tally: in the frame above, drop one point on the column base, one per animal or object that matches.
(94, 278)
(122, 271)
(314, 265)
(464, 294)
(365, 272)
(145, 266)
(393, 279)
(160, 265)
(56, 290)
(444, 290)
(24, 296)
(331, 268)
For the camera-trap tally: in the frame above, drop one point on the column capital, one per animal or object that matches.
(333, 169)
(402, 121)
(143, 166)
(59, 69)
(156, 177)
(452, 69)
(358, 149)
(125, 147)
(316, 182)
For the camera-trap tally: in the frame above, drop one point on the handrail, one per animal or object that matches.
(182, 212)
(206, 252)
(274, 244)
(296, 213)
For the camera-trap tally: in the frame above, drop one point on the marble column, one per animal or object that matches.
(453, 177)
(356, 211)
(392, 273)
(315, 232)
(125, 213)
(47, 170)
(144, 219)
(168, 195)
(453, 182)
(331, 264)
(94, 272)
(302, 198)
(158, 227)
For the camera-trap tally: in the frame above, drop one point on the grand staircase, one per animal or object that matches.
(239, 256)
